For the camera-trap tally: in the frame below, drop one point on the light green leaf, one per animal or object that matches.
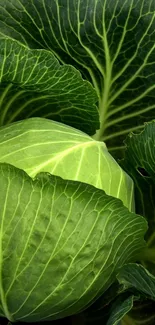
(36, 145)
(33, 83)
(61, 244)
(112, 42)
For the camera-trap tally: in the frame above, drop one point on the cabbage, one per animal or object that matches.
(40, 145)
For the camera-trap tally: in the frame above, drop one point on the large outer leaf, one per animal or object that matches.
(111, 41)
(37, 144)
(33, 83)
(61, 244)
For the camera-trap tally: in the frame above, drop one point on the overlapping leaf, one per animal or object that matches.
(114, 311)
(119, 309)
(61, 244)
(33, 83)
(139, 163)
(112, 42)
(135, 305)
(136, 277)
(39, 144)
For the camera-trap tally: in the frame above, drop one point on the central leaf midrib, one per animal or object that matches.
(103, 105)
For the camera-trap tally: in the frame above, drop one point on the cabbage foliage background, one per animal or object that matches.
(111, 42)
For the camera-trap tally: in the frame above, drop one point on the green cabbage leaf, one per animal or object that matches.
(61, 244)
(34, 83)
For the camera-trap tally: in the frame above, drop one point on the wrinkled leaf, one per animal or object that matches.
(36, 145)
(112, 42)
(33, 83)
(61, 244)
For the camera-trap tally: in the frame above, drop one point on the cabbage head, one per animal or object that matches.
(41, 145)
(62, 238)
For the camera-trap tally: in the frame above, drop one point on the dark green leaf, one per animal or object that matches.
(119, 309)
(100, 311)
(33, 83)
(139, 163)
(138, 279)
(142, 313)
(111, 307)
(135, 276)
